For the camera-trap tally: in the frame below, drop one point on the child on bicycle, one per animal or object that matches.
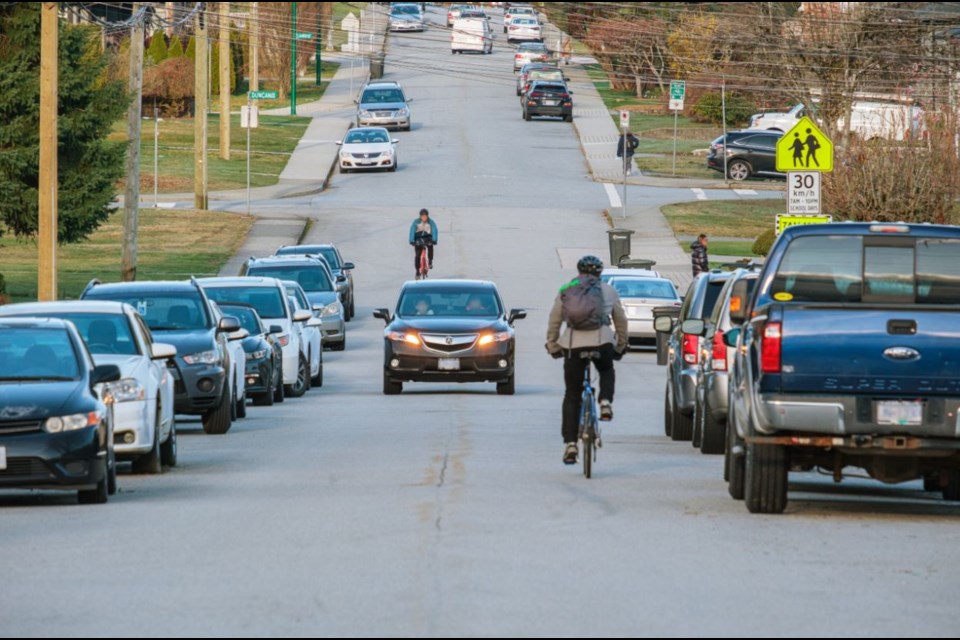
(586, 305)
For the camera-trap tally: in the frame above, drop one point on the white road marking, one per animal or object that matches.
(612, 195)
(701, 195)
(745, 192)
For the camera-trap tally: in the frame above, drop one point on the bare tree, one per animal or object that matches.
(632, 51)
(276, 34)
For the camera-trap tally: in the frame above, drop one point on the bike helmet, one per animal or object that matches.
(590, 265)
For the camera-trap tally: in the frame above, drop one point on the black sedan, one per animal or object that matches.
(449, 331)
(749, 153)
(264, 368)
(55, 430)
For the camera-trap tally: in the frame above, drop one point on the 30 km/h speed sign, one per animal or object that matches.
(803, 193)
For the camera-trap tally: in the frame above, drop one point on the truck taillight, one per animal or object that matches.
(770, 348)
(690, 345)
(719, 352)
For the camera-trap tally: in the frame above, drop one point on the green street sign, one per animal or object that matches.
(263, 95)
(678, 88)
(303, 35)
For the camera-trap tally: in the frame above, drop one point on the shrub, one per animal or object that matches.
(170, 83)
(764, 241)
(709, 108)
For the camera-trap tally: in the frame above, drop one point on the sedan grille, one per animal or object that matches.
(365, 155)
(384, 114)
(21, 426)
(24, 467)
(449, 343)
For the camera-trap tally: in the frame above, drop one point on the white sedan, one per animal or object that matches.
(640, 295)
(145, 430)
(524, 28)
(368, 148)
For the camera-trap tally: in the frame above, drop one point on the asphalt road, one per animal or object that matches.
(446, 510)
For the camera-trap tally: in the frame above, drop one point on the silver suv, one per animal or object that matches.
(383, 104)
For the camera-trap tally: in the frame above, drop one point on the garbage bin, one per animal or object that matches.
(663, 339)
(636, 263)
(619, 244)
(376, 65)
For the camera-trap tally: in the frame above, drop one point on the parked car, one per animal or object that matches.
(846, 357)
(263, 355)
(179, 313)
(545, 98)
(778, 121)
(56, 431)
(749, 153)
(313, 274)
(269, 297)
(533, 52)
(367, 148)
(471, 33)
(384, 104)
(716, 361)
(145, 429)
(342, 271)
(310, 331)
(523, 28)
(684, 352)
(449, 331)
(639, 296)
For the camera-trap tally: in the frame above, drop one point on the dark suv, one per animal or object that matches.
(342, 271)
(749, 153)
(548, 98)
(180, 314)
(683, 359)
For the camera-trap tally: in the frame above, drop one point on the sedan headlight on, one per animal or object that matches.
(204, 357)
(492, 338)
(72, 423)
(257, 355)
(127, 390)
(331, 309)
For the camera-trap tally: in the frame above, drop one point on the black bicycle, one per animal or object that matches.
(589, 417)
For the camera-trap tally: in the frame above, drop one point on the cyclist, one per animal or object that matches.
(423, 235)
(578, 296)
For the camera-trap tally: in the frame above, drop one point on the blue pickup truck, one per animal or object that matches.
(848, 355)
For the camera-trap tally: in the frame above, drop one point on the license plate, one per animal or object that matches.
(3, 458)
(551, 103)
(900, 413)
(448, 364)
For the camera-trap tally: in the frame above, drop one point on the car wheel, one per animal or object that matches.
(682, 426)
(100, 494)
(150, 462)
(713, 432)
(353, 308)
(697, 419)
(242, 405)
(527, 116)
(168, 450)
(393, 167)
(507, 388)
(344, 169)
(738, 170)
(217, 421)
(766, 469)
(299, 388)
(340, 346)
(278, 392)
(317, 380)
(568, 118)
(391, 388)
(233, 404)
(951, 489)
(667, 413)
(264, 399)
(112, 474)
(735, 467)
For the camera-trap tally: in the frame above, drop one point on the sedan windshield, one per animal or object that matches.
(366, 137)
(384, 96)
(28, 353)
(311, 278)
(104, 333)
(644, 288)
(266, 300)
(447, 303)
(247, 317)
(328, 253)
(166, 311)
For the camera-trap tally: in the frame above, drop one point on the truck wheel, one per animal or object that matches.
(734, 470)
(714, 432)
(682, 426)
(951, 490)
(766, 478)
(697, 434)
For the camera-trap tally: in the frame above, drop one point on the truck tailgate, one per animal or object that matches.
(837, 350)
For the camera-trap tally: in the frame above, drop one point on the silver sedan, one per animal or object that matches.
(639, 296)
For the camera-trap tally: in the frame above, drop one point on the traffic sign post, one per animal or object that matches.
(803, 193)
(804, 153)
(250, 119)
(624, 119)
(678, 89)
(624, 127)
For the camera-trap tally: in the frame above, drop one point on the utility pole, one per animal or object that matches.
(224, 80)
(201, 84)
(47, 223)
(293, 59)
(131, 194)
(318, 41)
(254, 30)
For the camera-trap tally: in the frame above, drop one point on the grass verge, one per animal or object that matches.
(173, 244)
(724, 218)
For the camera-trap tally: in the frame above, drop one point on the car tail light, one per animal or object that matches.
(690, 345)
(536, 94)
(719, 352)
(518, 56)
(770, 348)
(566, 97)
(513, 28)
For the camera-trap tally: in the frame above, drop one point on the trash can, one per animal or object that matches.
(619, 244)
(663, 339)
(636, 263)
(376, 65)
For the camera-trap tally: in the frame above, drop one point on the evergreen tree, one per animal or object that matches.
(191, 49)
(89, 163)
(176, 48)
(157, 52)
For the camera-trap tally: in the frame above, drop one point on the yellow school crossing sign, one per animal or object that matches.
(805, 148)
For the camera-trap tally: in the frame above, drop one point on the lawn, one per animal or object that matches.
(307, 90)
(724, 218)
(271, 145)
(173, 244)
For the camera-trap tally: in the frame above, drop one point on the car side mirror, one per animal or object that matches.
(314, 322)
(163, 351)
(228, 324)
(302, 315)
(516, 314)
(238, 335)
(348, 266)
(732, 337)
(341, 278)
(276, 329)
(694, 327)
(738, 302)
(383, 314)
(104, 373)
(663, 324)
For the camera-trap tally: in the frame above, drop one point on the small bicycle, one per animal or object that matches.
(423, 268)
(589, 417)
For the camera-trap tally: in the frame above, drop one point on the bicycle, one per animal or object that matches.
(589, 423)
(424, 267)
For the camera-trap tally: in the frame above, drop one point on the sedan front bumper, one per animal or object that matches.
(132, 418)
(73, 460)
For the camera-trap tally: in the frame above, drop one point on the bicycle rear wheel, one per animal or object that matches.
(587, 456)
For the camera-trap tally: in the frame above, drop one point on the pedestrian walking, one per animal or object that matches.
(627, 143)
(698, 255)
